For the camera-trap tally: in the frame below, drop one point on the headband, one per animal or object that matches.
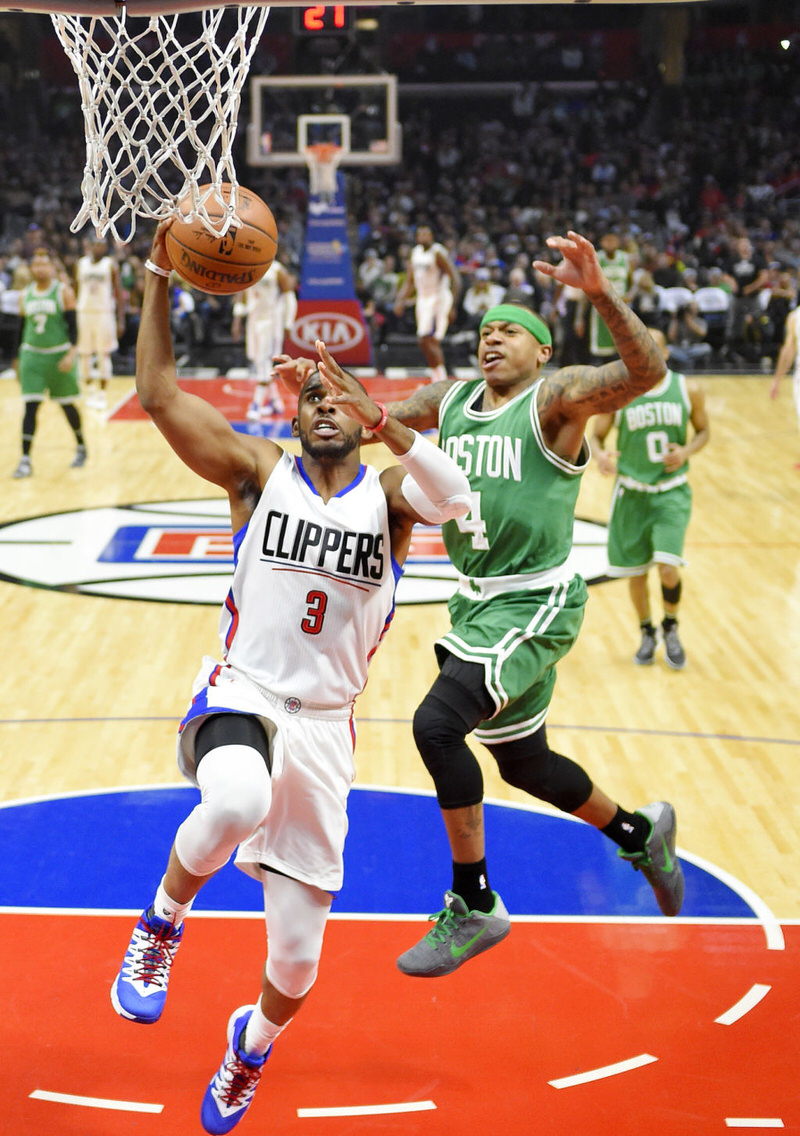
(512, 313)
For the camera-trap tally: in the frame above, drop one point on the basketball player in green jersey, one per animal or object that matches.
(47, 357)
(519, 437)
(616, 266)
(652, 499)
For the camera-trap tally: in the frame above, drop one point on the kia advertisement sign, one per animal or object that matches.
(340, 323)
(327, 306)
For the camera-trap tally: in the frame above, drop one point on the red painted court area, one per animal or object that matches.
(475, 1052)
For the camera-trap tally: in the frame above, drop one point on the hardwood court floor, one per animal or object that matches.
(93, 686)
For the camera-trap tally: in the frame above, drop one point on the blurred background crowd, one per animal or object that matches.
(519, 121)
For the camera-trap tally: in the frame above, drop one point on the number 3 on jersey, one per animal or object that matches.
(315, 614)
(473, 523)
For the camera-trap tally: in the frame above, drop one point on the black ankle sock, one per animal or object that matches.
(471, 882)
(629, 830)
(646, 625)
(669, 622)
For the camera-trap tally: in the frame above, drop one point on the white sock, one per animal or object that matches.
(167, 908)
(439, 374)
(260, 1032)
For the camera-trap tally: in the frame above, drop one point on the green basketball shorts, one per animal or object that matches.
(647, 528)
(39, 375)
(517, 637)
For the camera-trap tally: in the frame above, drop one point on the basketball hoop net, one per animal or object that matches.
(160, 114)
(323, 161)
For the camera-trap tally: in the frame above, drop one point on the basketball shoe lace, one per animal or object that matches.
(151, 953)
(237, 1081)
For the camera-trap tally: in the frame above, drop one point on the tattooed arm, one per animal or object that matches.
(420, 410)
(573, 394)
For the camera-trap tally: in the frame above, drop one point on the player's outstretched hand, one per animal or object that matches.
(580, 267)
(158, 250)
(607, 461)
(292, 372)
(345, 391)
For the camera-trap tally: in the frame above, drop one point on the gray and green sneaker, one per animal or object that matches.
(658, 862)
(458, 934)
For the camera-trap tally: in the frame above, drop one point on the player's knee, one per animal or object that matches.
(291, 970)
(435, 728)
(292, 979)
(234, 813)
(671, 594)
(236, 793)
(532, 766)
(440, 738)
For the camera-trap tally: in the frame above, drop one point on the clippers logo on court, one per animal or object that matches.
(182, 552)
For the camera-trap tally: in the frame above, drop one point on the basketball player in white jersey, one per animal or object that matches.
(269, 309)
(789, 355)
(268, 738)
(433, 277)
(100, 311)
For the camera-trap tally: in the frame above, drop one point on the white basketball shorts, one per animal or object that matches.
(312, 772)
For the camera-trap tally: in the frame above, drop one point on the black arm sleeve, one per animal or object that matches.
(72, 325)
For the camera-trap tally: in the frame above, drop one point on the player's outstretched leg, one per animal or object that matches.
(458, 934)
(231, 1089)
(140, 989)
(658, 862)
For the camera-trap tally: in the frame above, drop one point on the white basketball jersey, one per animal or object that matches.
(264, 299)
(795, 315)
(95, 288)
(429, 280)
(313, 588)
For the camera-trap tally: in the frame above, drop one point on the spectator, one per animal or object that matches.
(519, 291)
(481, 295)
(748, 267)
(686, 338)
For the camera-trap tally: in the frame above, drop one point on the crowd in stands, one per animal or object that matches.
(701, 181)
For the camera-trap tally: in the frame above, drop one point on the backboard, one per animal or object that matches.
(358, 112)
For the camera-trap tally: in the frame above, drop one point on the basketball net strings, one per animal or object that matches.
(160, 115)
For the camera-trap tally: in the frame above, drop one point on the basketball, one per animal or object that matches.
(230, 263)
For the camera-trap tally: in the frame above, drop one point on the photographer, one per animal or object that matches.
(686, 337)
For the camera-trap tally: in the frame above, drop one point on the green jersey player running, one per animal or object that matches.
(652, 500)
(519, 437)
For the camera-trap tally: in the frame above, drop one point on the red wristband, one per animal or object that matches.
(382, 420)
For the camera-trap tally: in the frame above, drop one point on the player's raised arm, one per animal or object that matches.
(578, 392)
(420, 410)
(426, 486)
(198, 433)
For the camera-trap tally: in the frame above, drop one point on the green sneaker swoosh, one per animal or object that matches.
(668, 865)
(457, 952)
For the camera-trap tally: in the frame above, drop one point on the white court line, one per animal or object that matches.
(752, 1122)
(96, 1102)
(368, 1109)
(605, 1071)
(744, 1005)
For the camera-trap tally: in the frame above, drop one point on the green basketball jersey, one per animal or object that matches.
(45, 328)
(617, 269)
(648, 425)
(523, 495)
